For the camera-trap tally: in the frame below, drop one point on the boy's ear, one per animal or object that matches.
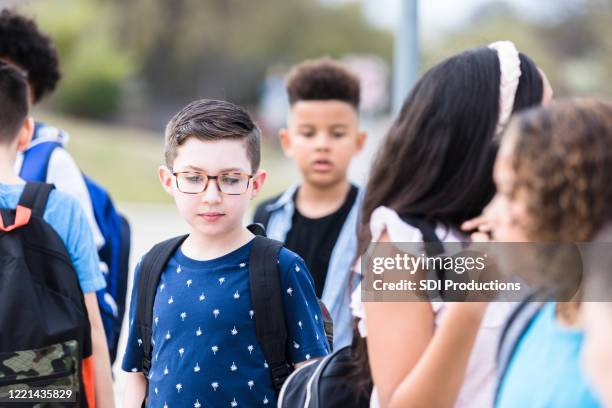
(362, 136)
(285, 141)
(25, 134)
(258, 180)
(166, 179)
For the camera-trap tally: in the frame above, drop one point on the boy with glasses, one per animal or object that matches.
(205, 350)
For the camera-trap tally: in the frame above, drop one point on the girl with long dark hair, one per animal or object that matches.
(436, 164)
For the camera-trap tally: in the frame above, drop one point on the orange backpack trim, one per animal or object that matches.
(88, 381)
(22, 217)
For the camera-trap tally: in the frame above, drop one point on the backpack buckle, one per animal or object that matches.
(146, 366)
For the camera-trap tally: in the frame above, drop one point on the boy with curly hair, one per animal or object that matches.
(33, 53)
(317, 218)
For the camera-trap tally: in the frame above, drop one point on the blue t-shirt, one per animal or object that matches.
(545, 370)
(65, 215)
(205, 350)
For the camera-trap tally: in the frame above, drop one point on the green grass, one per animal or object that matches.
(125, 160)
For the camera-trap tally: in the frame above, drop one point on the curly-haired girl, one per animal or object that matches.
(553, 185)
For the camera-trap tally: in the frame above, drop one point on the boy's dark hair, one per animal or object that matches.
(210, 120)
(13, 102)
(322, 80)
(22, 44)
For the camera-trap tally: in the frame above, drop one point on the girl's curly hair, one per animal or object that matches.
(21, 43)
(562, 159)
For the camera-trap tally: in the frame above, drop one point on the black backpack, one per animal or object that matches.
(325, 382)
(46, 339)
(264, 282)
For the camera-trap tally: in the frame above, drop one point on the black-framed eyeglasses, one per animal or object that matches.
(230, 183)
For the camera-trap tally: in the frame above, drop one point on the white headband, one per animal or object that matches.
(510, 72)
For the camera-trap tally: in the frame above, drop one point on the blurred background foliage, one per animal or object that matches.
(572, 43)
(137, 61)
(95, 67)
(153, 56)
(129, 65)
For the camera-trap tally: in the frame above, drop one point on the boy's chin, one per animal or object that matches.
(324, 181)
(210, 230)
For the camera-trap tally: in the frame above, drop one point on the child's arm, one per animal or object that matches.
(411, 364)
(446, 357)
(103, 381)
(135, 389)
(136, 386)
(306, 335)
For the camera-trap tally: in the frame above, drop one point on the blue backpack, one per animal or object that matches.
(115, 229)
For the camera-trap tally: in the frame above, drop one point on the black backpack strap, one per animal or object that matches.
(257, 228)
(35, 196)
(515, 327)
(428, 230)
(151, 267)
(433, 245)
(270, 325)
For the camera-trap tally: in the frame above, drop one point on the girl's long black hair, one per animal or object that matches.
(436, 160)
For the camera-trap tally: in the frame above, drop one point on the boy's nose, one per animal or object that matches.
(322, 141)
(212, 193)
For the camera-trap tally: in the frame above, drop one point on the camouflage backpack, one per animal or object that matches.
(46, 340)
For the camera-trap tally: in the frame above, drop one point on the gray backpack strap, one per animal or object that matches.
(515, 327)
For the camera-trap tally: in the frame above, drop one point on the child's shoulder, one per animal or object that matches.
(269, 201)
(289, 261)
(62, 206)
(276, 201)
(262, 211)
(288, 257)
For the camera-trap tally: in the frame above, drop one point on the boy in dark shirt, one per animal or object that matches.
(205, 349)
(317, 218)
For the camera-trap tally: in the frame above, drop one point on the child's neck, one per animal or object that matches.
(316, 202)
(201, 247)
(568, 314)
(7, 172)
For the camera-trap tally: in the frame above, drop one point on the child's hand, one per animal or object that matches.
(479, 229)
